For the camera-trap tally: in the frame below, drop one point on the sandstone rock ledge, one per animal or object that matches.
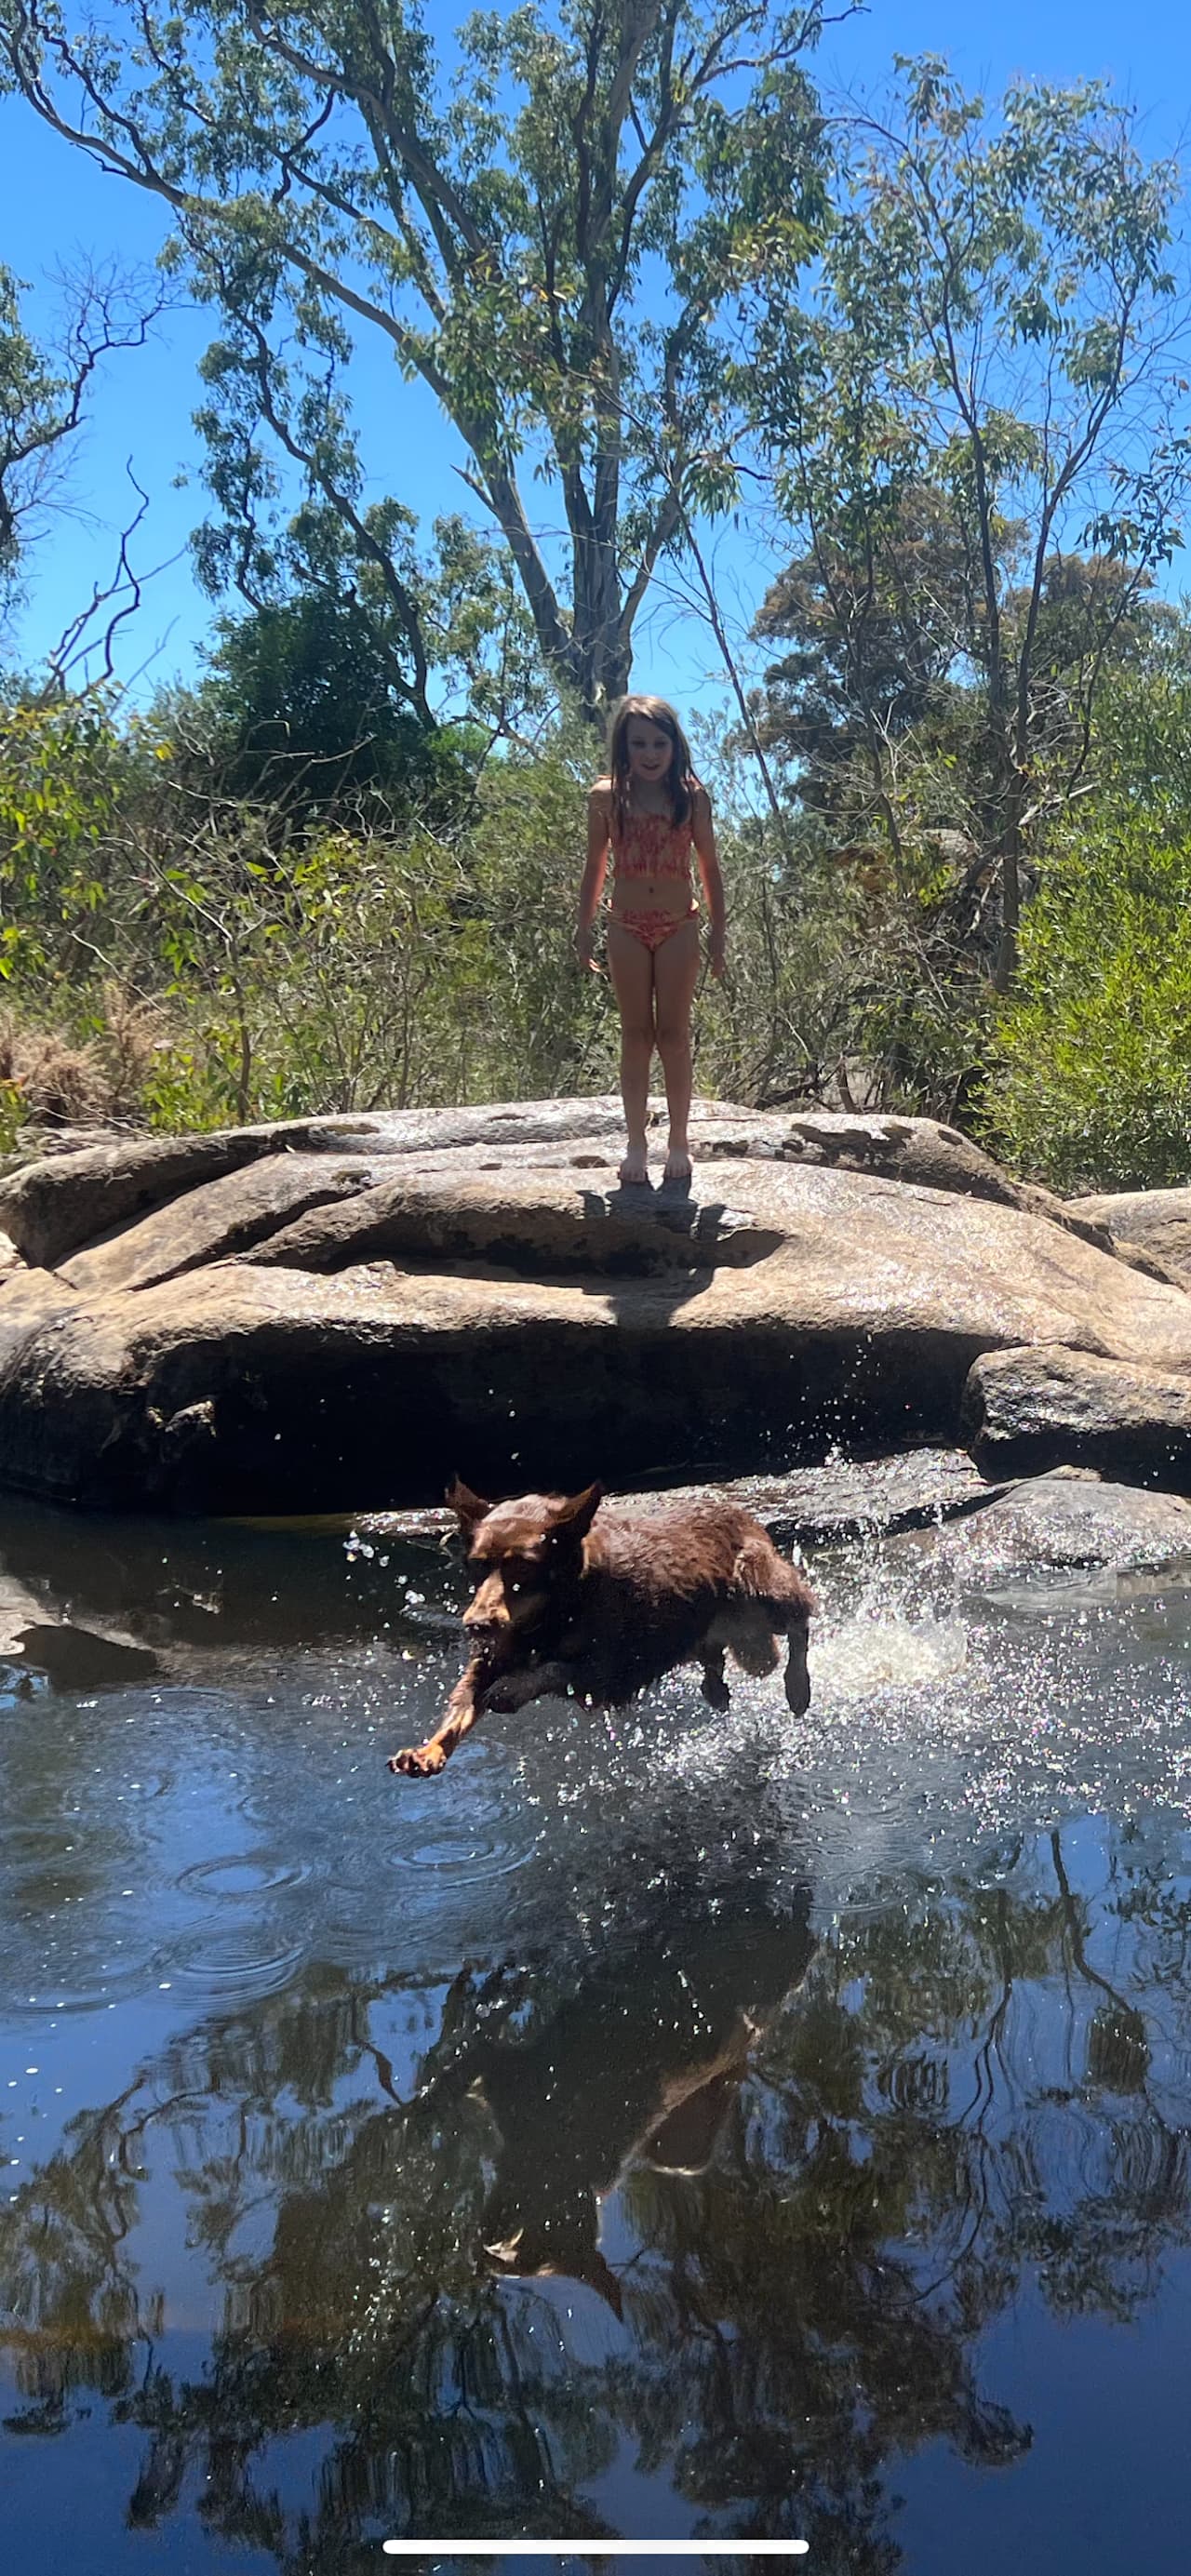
(334, 1313)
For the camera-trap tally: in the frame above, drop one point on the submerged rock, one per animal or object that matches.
(845, 1498)
(1065, 1520)
(1060, 1546)
(337, 1313)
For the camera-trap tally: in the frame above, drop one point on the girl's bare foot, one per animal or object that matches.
(678, 1168)
(635, 1167)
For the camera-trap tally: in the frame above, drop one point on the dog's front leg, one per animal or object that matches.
(535, 1681)
(484, 1685)
(467, 1702)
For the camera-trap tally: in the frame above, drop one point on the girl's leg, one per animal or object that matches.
(630, 965)
(675, 975)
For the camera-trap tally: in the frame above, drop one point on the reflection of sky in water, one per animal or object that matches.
(377, 2154)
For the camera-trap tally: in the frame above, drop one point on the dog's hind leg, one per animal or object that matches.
(713, 1686)
(749, 1634)
(798, 1680)
(787, 1606)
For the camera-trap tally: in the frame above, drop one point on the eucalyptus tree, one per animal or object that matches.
(544, 229)
(32, 422)
(866, 620)
(872, 699)
(44, 388)
(996, 322)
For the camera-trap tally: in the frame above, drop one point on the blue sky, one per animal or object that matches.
(56, 204)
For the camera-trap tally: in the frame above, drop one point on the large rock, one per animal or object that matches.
(52, 1207)
(1154, 1222)
(1025, 1411)
(334, 1314)
(49, 1208)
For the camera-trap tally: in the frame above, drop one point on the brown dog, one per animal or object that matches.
(578, 1598)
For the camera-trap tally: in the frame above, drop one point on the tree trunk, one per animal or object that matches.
(1006, 963)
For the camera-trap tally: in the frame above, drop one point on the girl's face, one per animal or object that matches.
(649, 749)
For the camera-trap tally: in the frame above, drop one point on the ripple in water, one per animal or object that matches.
(457, 1859)
(468, 1826)
(248, 1962)
(147, 1784)
(243, 1874)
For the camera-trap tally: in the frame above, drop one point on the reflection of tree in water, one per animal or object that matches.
(819, 2182)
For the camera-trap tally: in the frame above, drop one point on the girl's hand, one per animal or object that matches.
(583, 944)
(715, 957)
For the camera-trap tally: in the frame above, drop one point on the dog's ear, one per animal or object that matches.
(469, 1509)
(573, 1518)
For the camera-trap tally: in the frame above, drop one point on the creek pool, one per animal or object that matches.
(671, 2127)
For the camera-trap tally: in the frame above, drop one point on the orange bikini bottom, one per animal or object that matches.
(654, 928)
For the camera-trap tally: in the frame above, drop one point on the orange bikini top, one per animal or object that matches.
(650, 845)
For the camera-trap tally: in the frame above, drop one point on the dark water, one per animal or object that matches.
(676, 2127)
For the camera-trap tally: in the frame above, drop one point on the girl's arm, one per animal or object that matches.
(703, 832)
(592, 887)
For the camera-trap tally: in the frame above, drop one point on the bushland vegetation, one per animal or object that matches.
(927, 356)
(181, 953)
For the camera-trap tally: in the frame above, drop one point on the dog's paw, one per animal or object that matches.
(418, 1761)
(716, 1693)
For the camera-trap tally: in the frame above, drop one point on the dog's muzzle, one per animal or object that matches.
(481, 1626)
(487, 1613)
(493, 1614)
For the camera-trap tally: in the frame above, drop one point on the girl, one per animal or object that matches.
(650, 811)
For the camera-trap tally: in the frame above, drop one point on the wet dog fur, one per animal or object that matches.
(580, 1598)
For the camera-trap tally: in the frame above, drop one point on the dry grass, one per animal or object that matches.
(93, 1082)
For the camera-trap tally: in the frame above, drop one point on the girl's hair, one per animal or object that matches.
(680, 778)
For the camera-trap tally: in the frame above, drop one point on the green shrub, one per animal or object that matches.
(1089, 1085)
(63, 766)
